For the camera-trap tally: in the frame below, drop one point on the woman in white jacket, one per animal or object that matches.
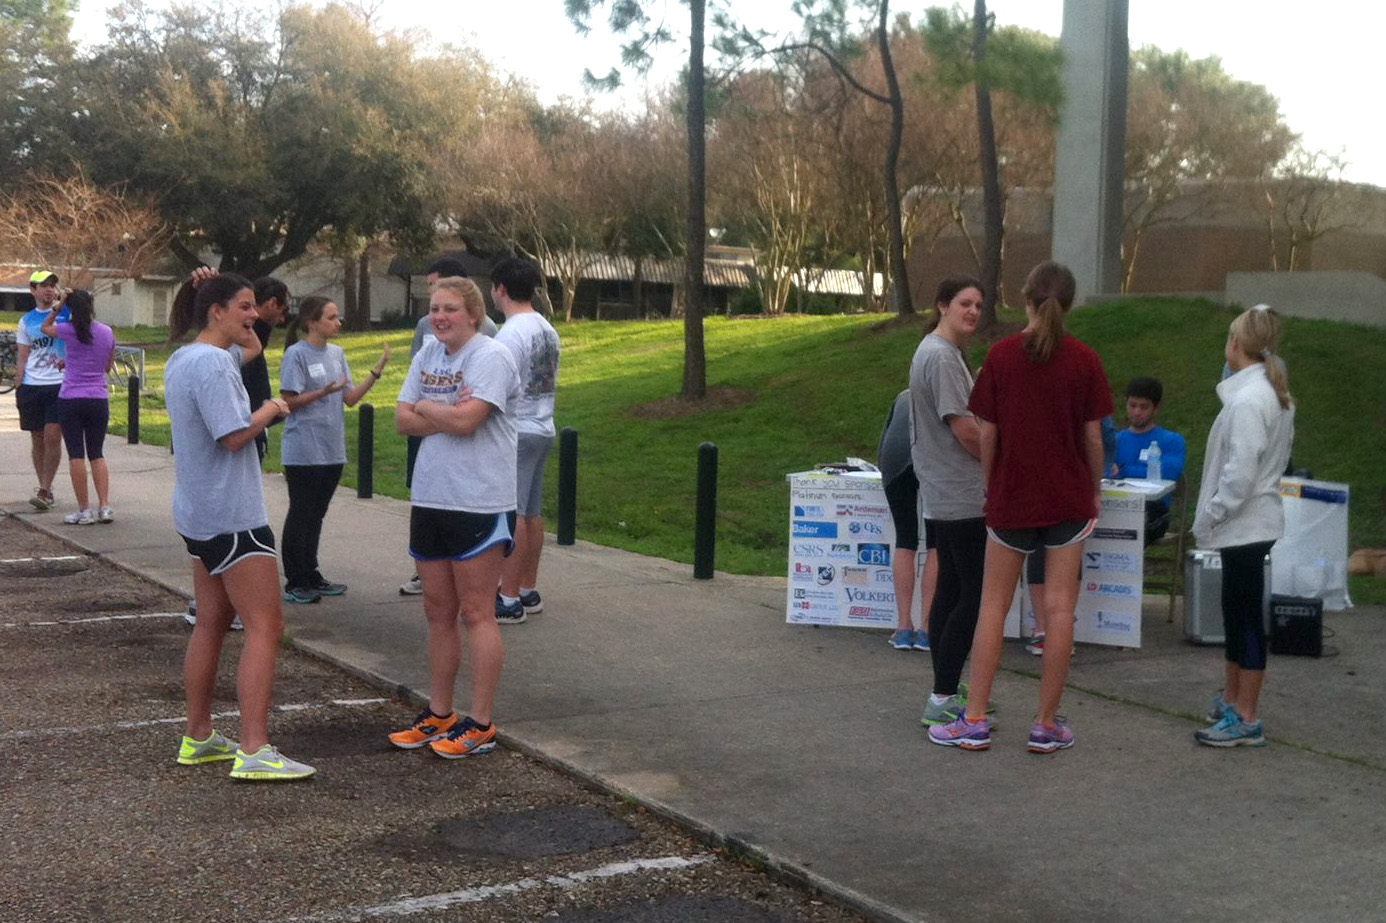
(1239, 512)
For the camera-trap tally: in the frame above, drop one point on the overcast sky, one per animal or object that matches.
(1321, 67)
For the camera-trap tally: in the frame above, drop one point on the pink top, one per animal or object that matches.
(85, 372)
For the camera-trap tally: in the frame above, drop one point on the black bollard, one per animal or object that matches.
(567, 485)
(365, 452)
(132, 414)
(705, 530)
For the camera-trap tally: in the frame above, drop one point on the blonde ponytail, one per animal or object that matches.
(1049, 290)
(1257, 334)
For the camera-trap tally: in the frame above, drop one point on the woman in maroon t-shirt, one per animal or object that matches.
(1040, 397)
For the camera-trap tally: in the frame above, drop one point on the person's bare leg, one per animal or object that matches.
(444, 636)
(534, 548)
(36, 449)
(1232, 683)
(101, 478)
(474, 579)
(1037, 605)
(1002, 571)
(902, 574)
(252, 585)
(204, 649)
(1060, 598)
(512, 569)
(52, 454)
(77, 467)
(1249, 694)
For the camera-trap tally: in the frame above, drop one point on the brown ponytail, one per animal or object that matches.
(1049, 291)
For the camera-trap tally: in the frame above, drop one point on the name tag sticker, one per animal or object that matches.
(317, 370)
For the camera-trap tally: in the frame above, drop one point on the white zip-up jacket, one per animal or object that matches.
(1248, 449)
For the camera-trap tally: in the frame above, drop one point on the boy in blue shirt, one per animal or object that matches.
(1142, 403)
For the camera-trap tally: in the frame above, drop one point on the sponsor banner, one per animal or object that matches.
(1116, 535)
(1112, 562)
(862, 510)
(865, 528)
(808, 550)
(858, 595)
(808, 496)
(800, 572)
(813, 529)
(1109, 590)
(1123, 504)
(842, 550)
(825, 575)
(818, 596)
(870, 613)
(1123, 624)
(856, 576)
(809, 511)
(885, 576)
(876, 553)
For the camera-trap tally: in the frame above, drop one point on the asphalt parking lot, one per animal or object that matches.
(102, 825)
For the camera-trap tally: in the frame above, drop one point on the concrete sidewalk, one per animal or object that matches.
(803, 745)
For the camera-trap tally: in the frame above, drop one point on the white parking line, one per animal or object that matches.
(432, 903)
(62, 557)
(88, 621)
(154, 722)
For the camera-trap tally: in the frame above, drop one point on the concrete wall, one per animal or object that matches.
(1354, 296)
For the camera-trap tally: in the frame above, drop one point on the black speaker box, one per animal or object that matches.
(1296, 625)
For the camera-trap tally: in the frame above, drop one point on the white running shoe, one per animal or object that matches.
(80, 518)
(105, 514)
(411, 587)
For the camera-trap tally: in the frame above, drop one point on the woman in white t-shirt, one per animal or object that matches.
(219, 510)
(459, 396)
(315, 381)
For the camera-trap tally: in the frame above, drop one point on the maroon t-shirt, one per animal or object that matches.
(1039, 475)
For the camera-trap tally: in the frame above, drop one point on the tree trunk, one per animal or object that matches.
(639, 284)
(363, 292)
(991, 173)
(899, 271)
(694, 353)
(349, 302)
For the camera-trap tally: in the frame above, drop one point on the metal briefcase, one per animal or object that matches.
(1203, 597)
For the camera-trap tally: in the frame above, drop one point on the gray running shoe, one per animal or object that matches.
(945, 712)
(268, 765)
(411, 587)
(215, 748)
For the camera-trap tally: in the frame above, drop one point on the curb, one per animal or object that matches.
(735, 847)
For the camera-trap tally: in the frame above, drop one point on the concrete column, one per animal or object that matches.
(1089, 170)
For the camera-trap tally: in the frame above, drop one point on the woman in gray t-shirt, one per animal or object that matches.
(460, 395)
(219, 510)
(316, 383)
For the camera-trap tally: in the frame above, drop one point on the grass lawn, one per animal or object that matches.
(794, 391)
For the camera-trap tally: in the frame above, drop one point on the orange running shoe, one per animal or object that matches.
(467, 738)
(427, 727)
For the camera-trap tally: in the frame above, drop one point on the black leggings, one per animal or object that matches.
(1243, 601)
(962, 551)
(310, 493)
(84, 421)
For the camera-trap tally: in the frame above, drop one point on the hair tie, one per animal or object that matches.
(1260, 307)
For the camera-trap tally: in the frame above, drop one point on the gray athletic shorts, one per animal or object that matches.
(532, 451)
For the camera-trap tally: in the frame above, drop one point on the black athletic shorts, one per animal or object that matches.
(456, 535)
(38, 406)
(221, 553)
(1058, 535)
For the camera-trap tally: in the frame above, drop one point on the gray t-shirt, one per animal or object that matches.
(215, 491)
(534, 344)
(940, 385)
(474, 473)
(423, 332)
(893, 452)
(316, 433)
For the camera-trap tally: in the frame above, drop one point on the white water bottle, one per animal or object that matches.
(1152, 463)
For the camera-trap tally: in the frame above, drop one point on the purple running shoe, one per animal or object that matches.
(969, 735)
(1047, 740)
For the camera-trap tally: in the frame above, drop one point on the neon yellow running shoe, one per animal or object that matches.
(268, 765)
(214, 749)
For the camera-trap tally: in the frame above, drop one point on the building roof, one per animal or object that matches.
(724, 268)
